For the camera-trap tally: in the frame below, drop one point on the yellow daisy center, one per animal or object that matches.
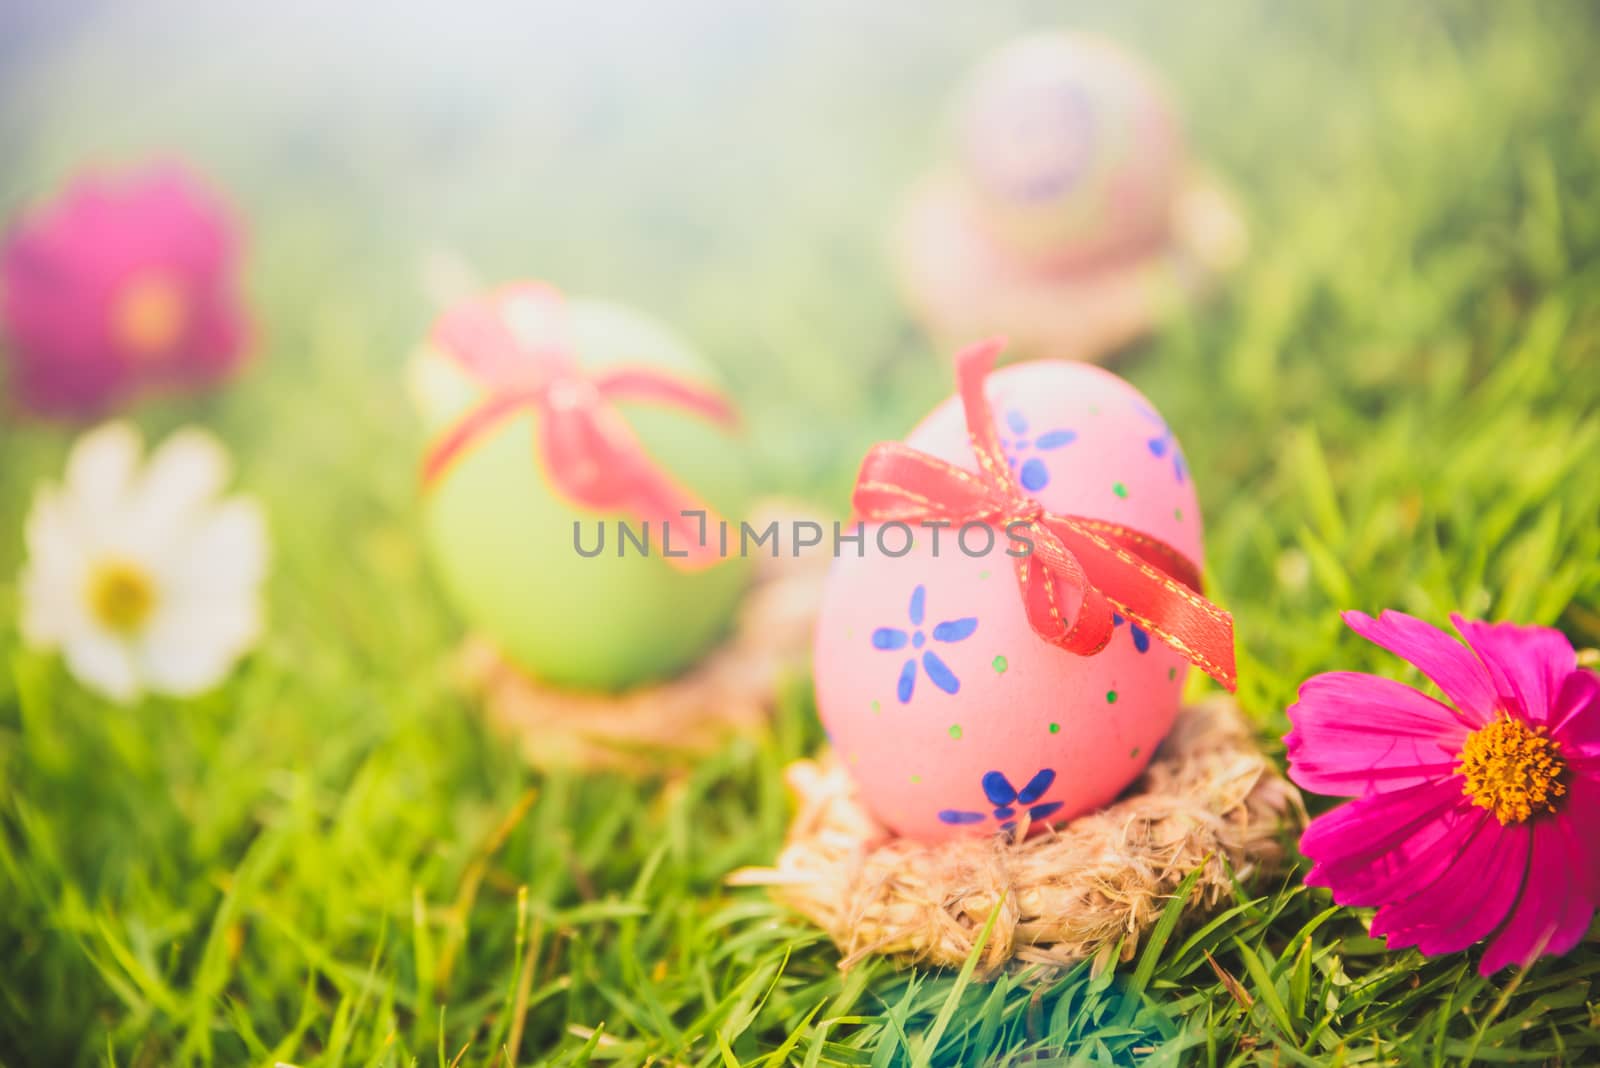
(121, 595)
(1512, 769)
(149, 314)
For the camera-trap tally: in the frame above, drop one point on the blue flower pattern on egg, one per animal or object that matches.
(1006, 799)
(1141, 637)
(939, 673)
(1031, 471)
(1163, 444)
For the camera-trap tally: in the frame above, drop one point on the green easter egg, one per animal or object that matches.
(501, 532)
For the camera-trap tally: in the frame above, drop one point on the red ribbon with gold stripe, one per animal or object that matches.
(1080, 569)
(590, 453)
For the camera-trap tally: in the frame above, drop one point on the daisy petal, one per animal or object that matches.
(1575, 719)
(1354, 734)
(192, 645)
(103, 664)
(226, 550)
(1467, 900)
(100, 472)
(183, 475)
(1553, 912)
(1528, 664)
(1437, 655)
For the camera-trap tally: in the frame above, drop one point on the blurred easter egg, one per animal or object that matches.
(613, 423)
(952, 715)
(1070, 150)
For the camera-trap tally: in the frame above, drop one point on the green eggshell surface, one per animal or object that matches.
(501, 535)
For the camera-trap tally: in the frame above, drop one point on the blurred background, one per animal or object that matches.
(1394, 402)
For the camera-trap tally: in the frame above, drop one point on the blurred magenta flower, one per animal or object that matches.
(1475, 819)
(120, 284)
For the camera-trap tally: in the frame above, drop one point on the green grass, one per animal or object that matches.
(331, 862)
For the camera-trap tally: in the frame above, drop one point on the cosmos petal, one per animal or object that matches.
(1581, 813)
(1575, 719)
(1467, 900)
(1554, 910)
(1528, 664)
(1422, 859)
(1355, 733)
(1451, 666)
(1379, 830)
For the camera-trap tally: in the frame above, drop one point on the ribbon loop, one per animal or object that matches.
(512, 344)
(1079, 571)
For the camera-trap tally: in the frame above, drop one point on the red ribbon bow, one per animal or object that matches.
(1080, 569)
(589, 451)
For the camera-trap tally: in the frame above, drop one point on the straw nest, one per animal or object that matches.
(1089, 889)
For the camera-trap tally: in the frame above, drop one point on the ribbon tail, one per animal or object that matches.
(481, 418)
(594, 458)
(972, 369)
(1166, 607)
(642, 385)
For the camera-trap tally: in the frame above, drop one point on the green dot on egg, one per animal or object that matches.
(1055, 728)
(1177, 513)
(955, 730)
(1120, 490)
(1111, 697)
(984, 573)
(1094, 409)
(1135, 754)
(1172, 673)
(1000, 664)
(915, 779)
(876, 707)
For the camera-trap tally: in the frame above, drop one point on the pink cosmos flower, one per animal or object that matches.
(121, 283)
(1473, 819)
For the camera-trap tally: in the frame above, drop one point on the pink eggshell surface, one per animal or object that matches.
(950, 713)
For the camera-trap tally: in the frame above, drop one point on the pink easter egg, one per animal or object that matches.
(950, 713)
(1071, 150)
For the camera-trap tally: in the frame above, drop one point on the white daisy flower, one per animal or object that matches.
(142, 577)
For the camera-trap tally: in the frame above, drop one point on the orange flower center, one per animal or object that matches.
(121, 595)
(1512, 769)
(149, 314)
